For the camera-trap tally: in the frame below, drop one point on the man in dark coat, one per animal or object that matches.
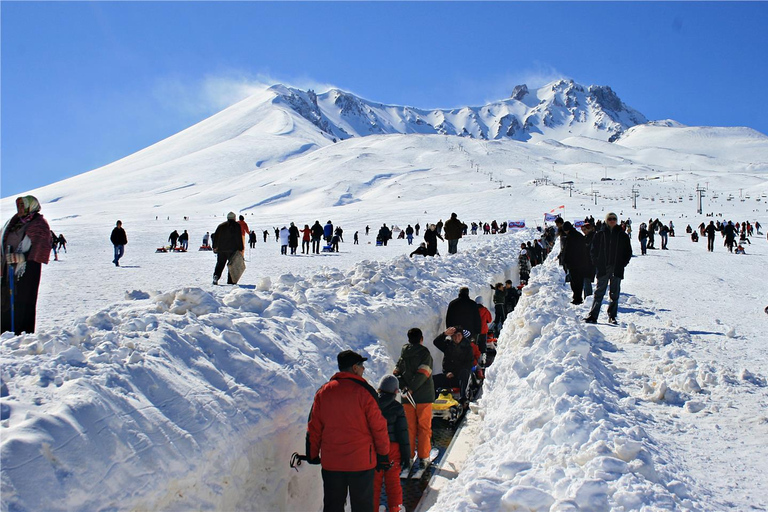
(385, 234)
(453, 231)
(173, 238)
(575, 258)
(710, 231)
(227, 240)
(458, 359)
(347, 434)
(611, 251)
(119, 241)
(293, 238)
(463, 311)
(28, 237)
(317, 235)
(430, 237)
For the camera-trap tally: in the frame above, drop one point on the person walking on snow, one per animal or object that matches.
(399, 447)
(453, 232)
(293, 237)
(119, 241)
(173, 238)
(347, 435)
(227, 239)
(184, 240)
(414, 371)
(284, 240)
(611, 251)
(576, 257)
(26, 247)
(317, 235)
(306, 236)
(409, 234)
(710, 231)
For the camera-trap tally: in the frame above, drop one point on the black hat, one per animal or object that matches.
(348, 358)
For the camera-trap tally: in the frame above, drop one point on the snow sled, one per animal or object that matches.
(205, 248)
(327, 248)
(447, 407)
(161, 249)
(179, 249)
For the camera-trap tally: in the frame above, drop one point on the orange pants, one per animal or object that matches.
(419, 424)
(391, 479)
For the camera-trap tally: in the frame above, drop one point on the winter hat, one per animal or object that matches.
(479, 299)
(347, 358)
(466, 334)
(567, 226)
(389, 384)
(30, 204)
(611, 214)
(231, 216)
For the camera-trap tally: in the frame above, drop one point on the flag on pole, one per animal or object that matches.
(515, 224)
(550, 217)
(561, 207)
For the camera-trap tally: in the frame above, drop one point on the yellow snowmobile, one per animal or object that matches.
(446, 407)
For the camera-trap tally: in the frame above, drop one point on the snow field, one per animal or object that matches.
(192, 399)
(559, 433)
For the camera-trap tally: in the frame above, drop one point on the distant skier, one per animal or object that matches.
(227, 240)
(26, 246)
(119, 241)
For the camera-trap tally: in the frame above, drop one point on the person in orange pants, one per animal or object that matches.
(414, 370)
(399, 449)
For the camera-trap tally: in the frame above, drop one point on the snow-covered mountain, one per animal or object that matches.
(559, 109)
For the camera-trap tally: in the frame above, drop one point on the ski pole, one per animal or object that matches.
(296, 460)
(409, 396)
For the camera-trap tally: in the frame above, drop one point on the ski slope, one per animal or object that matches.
(146, 387)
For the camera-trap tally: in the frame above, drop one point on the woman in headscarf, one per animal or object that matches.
(26, 246)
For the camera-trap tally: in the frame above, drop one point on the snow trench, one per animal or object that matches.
(194, 399)
(558, 432)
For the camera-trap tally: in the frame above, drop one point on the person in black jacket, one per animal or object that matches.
(293, 238)
(317, 235)
(430, 237)
(589, 235)
(463, 311)
(173, 238)
(458, 359)
(399, 444)
(119, 241)
(227, 240)
(184, 240)
(575, 258)
(611, 251)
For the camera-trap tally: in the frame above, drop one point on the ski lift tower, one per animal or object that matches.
(700, 191)
(594, 193)
(635, 194)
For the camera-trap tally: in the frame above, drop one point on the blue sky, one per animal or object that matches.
(84, 84)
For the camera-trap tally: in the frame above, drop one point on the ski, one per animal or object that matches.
(417, 474)
(407, 472)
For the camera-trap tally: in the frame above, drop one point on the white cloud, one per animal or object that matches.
(213, 93)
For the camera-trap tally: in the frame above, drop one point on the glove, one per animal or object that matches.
(21, 267)
(382, 462)
(314, 461)
(405, 461)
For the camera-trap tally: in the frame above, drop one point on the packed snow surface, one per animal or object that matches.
(146, 387)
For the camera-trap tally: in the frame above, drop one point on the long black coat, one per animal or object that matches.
(576, 257)
(463, 311)
(228, 237)
(588, 238)
(611, 247)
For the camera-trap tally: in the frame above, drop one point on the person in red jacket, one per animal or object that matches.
(26, 247)
(485, 319)
(348, 435)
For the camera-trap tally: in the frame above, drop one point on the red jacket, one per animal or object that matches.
(38, 232)
(485, 318)
(346, 427)
(306, 232)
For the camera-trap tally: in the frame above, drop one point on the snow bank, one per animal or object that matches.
(558, 433)
(191, 399)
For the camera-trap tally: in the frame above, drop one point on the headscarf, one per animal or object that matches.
(31, 207)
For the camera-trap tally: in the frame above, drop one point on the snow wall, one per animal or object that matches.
(194, 400)
(558, 434)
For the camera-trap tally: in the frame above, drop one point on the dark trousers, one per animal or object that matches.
(613, 293)
(459, 380)
(711, 244)
(500, 316)
(222, 258)
(24, 299)
(316, 245)
(452, 246)
(336, 485)
(305, 247)
(482, 342)
(577, 285)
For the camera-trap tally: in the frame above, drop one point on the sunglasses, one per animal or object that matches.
(612, 219)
